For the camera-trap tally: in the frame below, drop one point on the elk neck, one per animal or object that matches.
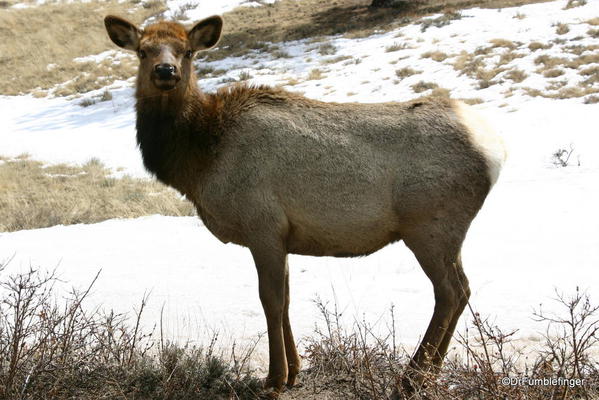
(175, 143)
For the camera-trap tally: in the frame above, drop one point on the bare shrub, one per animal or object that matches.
(561, 157)
(56, 349)
(487, 363)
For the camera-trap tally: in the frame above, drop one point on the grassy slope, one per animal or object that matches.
(38, 44)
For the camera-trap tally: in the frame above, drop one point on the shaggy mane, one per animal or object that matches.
(222, 108)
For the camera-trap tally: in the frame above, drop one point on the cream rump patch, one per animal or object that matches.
(484, 138)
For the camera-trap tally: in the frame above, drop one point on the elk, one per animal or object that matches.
(282, 174)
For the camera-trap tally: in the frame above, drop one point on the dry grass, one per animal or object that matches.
(403, 73)
(567, 92)
(509, 56)
(553, 73)
(33, 196)
(575, 3)
(396, 47)
(34, 39)
(561, 29)
(435, 55)
(534, 46)
(591, 100)
(473, 101)
(315, 74)
(593, 21)
(423, 86)
(441, 21)
(468, 64)
(508, 44)
(516, 75)
(327, 49)
(336, 60)
(593, 33)
(549, 62)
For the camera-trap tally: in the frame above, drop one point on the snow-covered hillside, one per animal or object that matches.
(538, 231)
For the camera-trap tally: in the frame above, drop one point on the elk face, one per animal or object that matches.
(165, 50)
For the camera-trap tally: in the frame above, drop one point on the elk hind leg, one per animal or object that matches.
(437, 253)
(464, 295)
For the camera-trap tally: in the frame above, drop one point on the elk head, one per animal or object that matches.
(165, 50)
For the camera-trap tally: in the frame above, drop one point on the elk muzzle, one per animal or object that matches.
(165, 76)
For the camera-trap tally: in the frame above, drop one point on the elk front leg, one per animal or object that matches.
(293, 359)
(271, 265)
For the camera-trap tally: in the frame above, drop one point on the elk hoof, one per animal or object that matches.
(273, 386)
(269, 394)
(292, 378)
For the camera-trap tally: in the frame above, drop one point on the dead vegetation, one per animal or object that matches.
(23, 30)
(487, 363)
(53, 347)
(39, 45)
(516, 75)
(405, 72)
(423, 86)
(435, 55)
(36, 196)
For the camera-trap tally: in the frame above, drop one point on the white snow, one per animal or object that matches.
(195, 10)
(538, 231)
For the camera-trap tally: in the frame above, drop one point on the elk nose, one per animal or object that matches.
(165, 71)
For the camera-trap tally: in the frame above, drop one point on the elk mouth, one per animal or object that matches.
(166, 84)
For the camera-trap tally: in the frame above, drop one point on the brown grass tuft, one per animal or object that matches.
(553, 73)
(534, 46)
(36, 196)
(473, 101)
(423, 86)
(561, 29)
(315, 74)
(516, 75)
(508, 44)
(594, 33)
(435, 55)
(403, 73)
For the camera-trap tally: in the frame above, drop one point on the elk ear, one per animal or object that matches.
(122, 32)
(205, 34)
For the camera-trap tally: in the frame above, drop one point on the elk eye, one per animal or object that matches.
(188, 53)
(142, 54)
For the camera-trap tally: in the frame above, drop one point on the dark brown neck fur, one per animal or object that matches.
(171, 134)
